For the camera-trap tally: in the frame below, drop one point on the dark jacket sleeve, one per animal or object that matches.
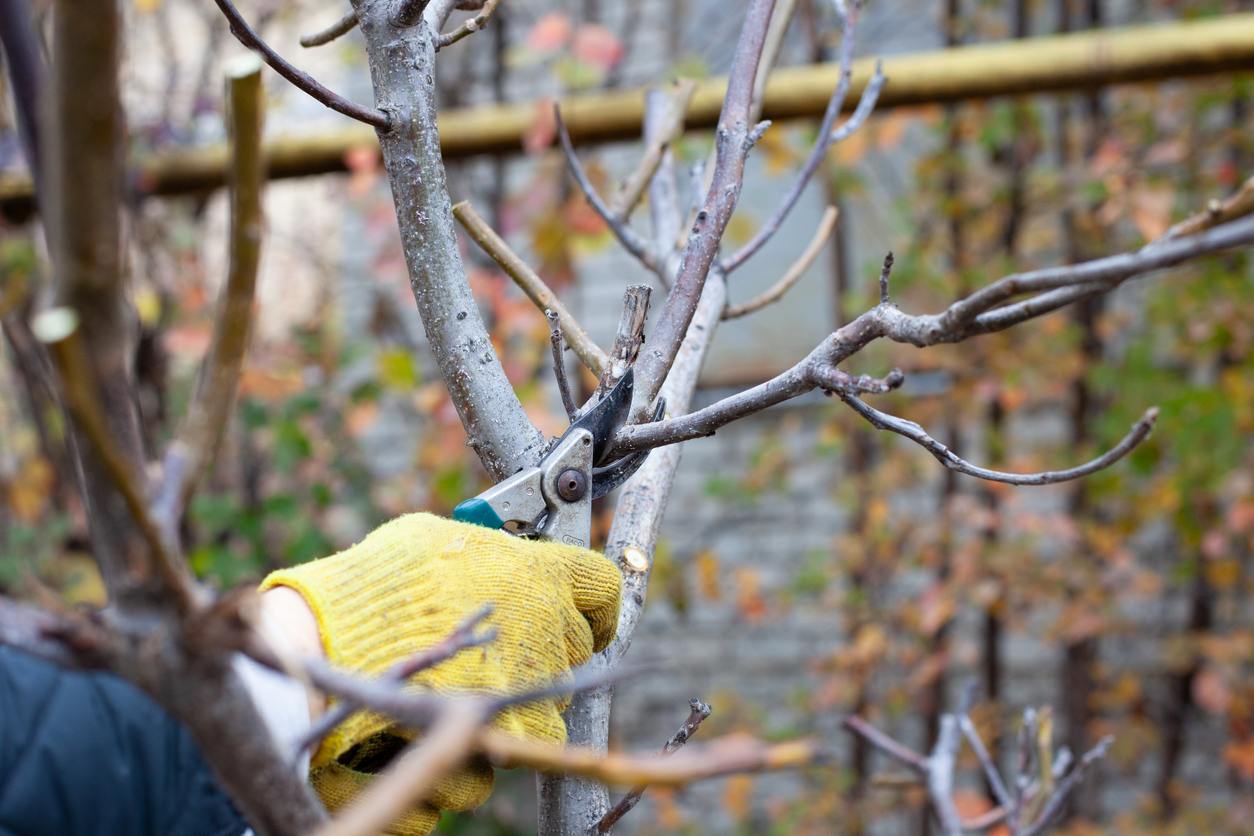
(87, 754)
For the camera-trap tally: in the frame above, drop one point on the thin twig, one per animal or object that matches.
(468, 28)
(537, 291)
(726, 756)
(410, 777)
(214, 395)
(882, 421)
(559, 365)
(940, 775)
(1068, 785)
(794, 273)
(731, 141)
(628, 237)
(58, 328)
(338, 29)
(866, 104)
(1239, 203)
(977, 745)
(697, 714)
(1059, 286)
(671, 127)
(464, 636)
(885, 272)
(1023, 769)
(817, 153)
(986, 761)
(885, 743)
(245, 35)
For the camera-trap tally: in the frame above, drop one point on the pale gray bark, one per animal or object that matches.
(402, 66)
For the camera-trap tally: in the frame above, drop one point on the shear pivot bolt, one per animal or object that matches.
(571, 485)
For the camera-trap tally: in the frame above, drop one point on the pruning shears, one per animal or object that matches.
(553, 499)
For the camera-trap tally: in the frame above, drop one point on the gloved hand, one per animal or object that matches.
(406, 587)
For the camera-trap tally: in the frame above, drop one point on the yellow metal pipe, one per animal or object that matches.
(1078, 61)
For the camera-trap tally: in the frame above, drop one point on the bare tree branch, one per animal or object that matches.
(47, 635)
(336, 30)
(884, 743)
(776, 32)
(628, 237)
(245, 35)
(464, 636)
(671, 127)
(570, 804)
(25, 75)
(726, 756)
(732, 144)
(697, 714)
(59, 329)
(1236, 205)
(559, 365)
(468, 28)
(1060, 286)
(814, 372)
(940, 775)
(409, 779)
(776, 292)
(817, 153)
(1054, 805)
(198, 439)
(882, 421)
(664, 211)
(589, 353)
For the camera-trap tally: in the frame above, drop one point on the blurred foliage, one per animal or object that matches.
(342, 422)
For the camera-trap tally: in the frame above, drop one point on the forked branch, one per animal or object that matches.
(733, 140)
(939, 771)
(698, 711)
(826, 137)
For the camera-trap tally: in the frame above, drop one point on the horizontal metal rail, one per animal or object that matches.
(1062, 63)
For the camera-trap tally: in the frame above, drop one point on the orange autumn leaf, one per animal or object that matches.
(597, 45)
(1240, 756)
(550, 33)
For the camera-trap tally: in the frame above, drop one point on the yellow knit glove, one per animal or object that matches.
(406, 587)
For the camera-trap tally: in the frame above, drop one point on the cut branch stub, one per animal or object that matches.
(629, 338)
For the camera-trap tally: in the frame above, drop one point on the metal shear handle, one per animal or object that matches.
(555, 497)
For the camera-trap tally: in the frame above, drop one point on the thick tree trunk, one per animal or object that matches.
(402, 66)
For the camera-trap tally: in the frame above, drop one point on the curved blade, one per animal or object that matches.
(606, 479)
(606, 416)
